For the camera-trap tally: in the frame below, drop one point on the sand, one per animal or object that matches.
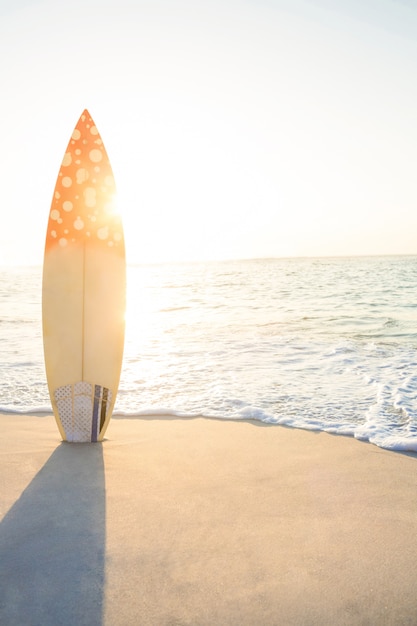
(204, 522)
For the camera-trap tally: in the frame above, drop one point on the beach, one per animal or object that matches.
(199, 521)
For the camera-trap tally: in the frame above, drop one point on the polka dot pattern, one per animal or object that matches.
(83, 208)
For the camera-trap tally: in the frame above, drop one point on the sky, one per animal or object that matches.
(235, 128)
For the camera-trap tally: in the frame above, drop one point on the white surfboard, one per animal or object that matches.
(83, 293)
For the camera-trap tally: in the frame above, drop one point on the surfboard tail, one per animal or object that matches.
(83, 409)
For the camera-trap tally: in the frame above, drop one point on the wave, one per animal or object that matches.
(368, 433)
(26, 410)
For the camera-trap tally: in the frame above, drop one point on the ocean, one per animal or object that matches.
(327, 344)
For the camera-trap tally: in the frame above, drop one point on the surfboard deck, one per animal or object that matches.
(83, 289)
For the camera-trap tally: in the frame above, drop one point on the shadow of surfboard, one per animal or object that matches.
(52, 543)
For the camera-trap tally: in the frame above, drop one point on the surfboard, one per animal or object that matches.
(83, 289)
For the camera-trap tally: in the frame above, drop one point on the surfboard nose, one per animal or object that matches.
(84, 202)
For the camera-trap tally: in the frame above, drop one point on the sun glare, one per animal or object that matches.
(264, 144)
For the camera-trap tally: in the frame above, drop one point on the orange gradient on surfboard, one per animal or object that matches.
(83, 205)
